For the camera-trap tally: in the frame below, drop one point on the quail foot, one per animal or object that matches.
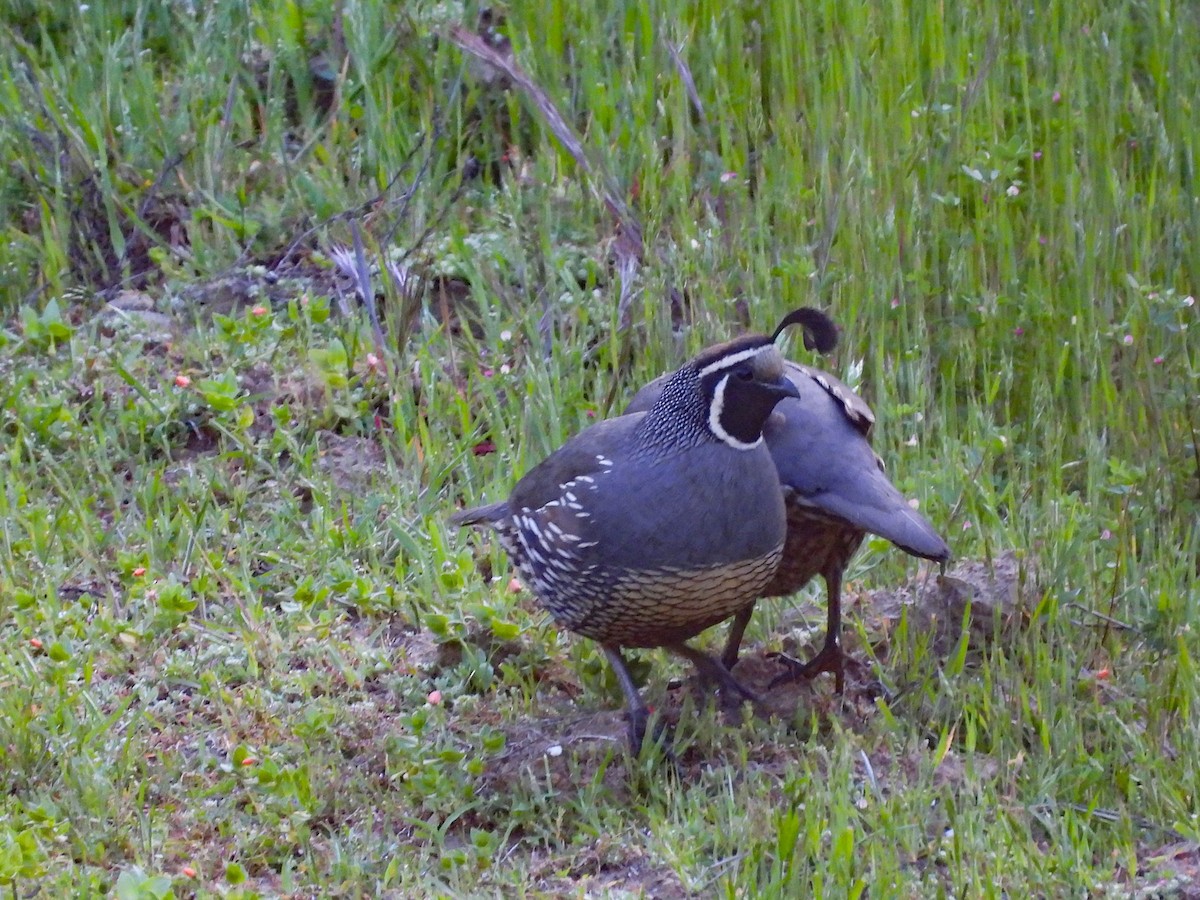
(835, 491)
(646, 529)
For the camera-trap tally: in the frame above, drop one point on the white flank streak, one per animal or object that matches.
(726, 361)
(714, 419)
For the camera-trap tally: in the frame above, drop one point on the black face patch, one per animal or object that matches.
(741, 389)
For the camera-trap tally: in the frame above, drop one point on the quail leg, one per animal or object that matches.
(830, 658)
(737, 630)
(636, 710)
(712, 670)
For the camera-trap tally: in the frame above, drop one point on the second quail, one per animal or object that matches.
(835, 492)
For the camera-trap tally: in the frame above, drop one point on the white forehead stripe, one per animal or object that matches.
(726, 361)
(714, 420)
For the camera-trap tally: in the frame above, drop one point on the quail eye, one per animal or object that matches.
(745, 375)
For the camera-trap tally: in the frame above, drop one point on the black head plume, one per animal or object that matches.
(820, 332)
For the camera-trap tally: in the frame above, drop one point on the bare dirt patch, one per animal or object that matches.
(577, 744)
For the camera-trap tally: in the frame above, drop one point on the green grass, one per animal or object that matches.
(228, 589)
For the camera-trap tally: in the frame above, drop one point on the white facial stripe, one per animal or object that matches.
(714, 410)
(726, 361)
(714, 419)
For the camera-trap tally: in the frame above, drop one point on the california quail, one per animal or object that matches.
(835, 491)
(646, 529)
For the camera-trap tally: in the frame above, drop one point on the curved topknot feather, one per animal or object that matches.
(820, 331)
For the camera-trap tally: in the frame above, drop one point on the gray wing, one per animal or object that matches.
(589, 493)
(544, 483)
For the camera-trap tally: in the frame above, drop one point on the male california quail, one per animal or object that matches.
(646, 529)
(835, 491)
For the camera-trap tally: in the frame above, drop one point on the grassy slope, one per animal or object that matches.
(226, 602)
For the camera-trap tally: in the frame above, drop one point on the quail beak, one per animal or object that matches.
(782, 388)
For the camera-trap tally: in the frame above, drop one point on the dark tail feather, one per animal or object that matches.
(481, 515)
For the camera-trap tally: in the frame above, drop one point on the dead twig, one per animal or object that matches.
(362, 275)
(689, 84)
(361, 209)
(471, 43)
(1107, 621)
(628, 248)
